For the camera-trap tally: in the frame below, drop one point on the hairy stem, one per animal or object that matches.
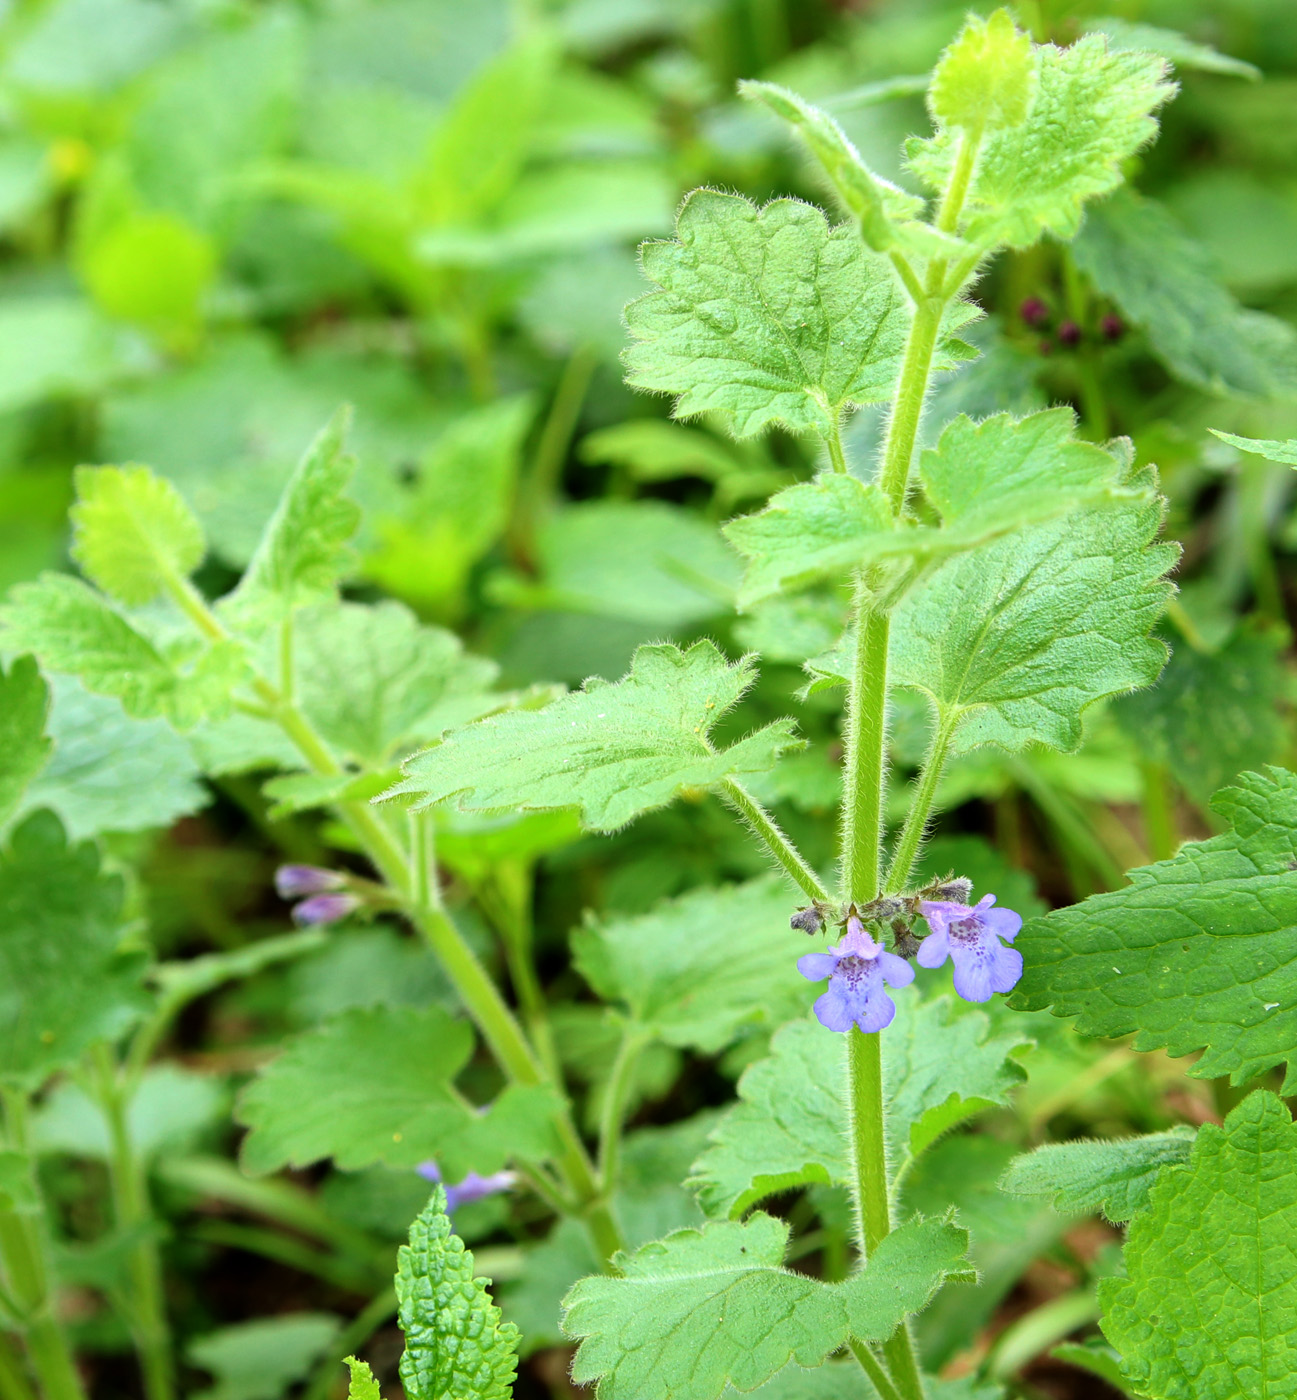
(865, 732)
(878, 1377)
(133, 1214)
(916, 821)
(836, 454)
(768, 831)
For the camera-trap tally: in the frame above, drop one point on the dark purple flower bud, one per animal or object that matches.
(970, 938)
(472, 1188)
(325, 908)
(1112, 326)
(904, 942)
(294, 881)
(1034, 312)
(1069, 334)
(809, 920)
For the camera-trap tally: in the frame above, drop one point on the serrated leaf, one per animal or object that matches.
(987, 78)
(986, 479)
(1092, 110)
(1269, 448)
(1163, 281)
(75, 630)
(614, 750)
(133, 533)
(692, 1313)
(1022, 634)
(375, 1084)
(1196, 953)
(942, 1067)
(1086, 1177)
(1171, 44)
(24, 747)
(767, 316)
(67, 979)
(1208, 1307)
(1212, 715)
(303, 550)
(887, 214)
(361, 1384)
(456, 1347)
(697, 970)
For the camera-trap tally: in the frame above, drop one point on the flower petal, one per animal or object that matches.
(815, 967)
(934, 949)
(1006, 969)
(941, 913)
(834, 1009)
(896, 971)
(877, 1012)
(1003, 922)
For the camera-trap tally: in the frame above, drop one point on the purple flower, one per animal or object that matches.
(325, 908)
(472, 1188)
(970, 936)
(857, 970)
(294, 881)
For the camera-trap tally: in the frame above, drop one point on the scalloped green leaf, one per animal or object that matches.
(987, 78)
(615, 750)
(24, 747)
(456, 1347)
(1197, 953)
(361, 1384)
(1207, 1309)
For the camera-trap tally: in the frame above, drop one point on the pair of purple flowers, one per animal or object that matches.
(860, 970)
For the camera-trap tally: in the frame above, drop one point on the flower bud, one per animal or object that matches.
(1112, 326)
(809, 920)
(325, 908)
(294, 881)
(1034, 312)
(1069, 334)
(955, 889)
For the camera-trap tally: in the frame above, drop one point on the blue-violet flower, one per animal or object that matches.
(294, 881)
(857, 970)
(970, 936)
(473, 1187)
(325, 908)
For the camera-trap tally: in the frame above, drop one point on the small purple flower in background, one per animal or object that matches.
(472, 1188)
(325, 908)
(295, 881)
(970, 937)
(859, 972)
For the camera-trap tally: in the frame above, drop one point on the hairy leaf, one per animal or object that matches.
(1208, 1307)
(1197, 952)
(943, 1067)
(133, 533)
(1092, 110)
(75, 630)
(613, 749)
(303, 550)
(692, 1313)
(67, 978)
(1270, 448)
(1087, 1176)
(456, 1347)
(987, 78)
(375, 1084)
(1167, 284)
(24, 749)
(697, 970)
(768, 316)
(1182, 51)
(361, 1384)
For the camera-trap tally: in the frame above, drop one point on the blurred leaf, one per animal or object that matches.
(653, 450)
(1269, 448)
(1168, 285)
(1196, 952)
(91, 46)
(1230, 1328)
(455, 1343)
(153, 269)
(1093, 1356)
(986, 80)
(1184, 52)
(680, 970)
(1088, 1176)
(52, 346)
(261, 1360)
(616, 750)
(133, 533)
(24, 747)
(67, 980)
(1092, 111)
(366, 967)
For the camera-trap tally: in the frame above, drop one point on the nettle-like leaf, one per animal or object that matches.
(987, 78)
(456, 1347)
(1021, 635)
(1091, 111)
(1208, 1307)
(361, 1384)
(1166, 283)
(67, 978)
(303, 551)
(769, 316)
(943, 1067)
(614, 750)
(1197, 952)
(133, 534)
(376, 1084)
(24, 747)
(699, 969)
(1270, 448)
(1084, 1177)
(693, 1313)
(984, 479)
(1182, 51)
(75, 630)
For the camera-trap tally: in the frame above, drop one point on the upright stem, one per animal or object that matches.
(133, 1213)
(836, 454)
(866, 745)
(868, 1148)
(616, 1096)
